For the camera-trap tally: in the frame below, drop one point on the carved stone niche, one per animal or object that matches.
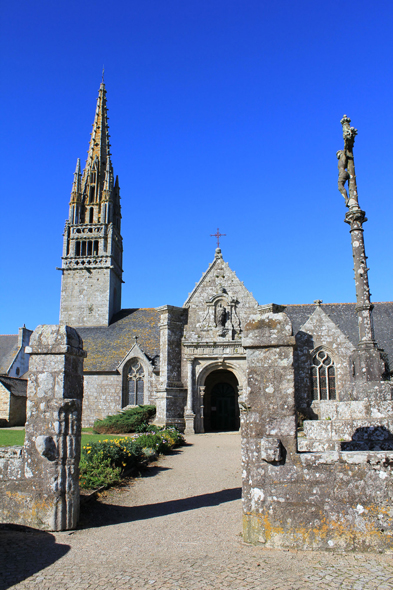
(221, 318)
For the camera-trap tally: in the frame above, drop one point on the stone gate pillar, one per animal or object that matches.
(171, 394)
(268, 420)
(53, 428)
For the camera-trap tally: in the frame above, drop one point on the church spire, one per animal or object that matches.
(94, 197)
(99, 148)
(92, 238)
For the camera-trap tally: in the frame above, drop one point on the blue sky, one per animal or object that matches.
(224, 114)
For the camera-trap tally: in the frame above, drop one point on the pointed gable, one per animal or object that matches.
(319, 331)
(220, 304)
(326, 333)
(217, 277)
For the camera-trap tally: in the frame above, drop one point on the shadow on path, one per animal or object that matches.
(24, 551)
(97, 514)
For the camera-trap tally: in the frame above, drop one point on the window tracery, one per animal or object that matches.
(136, 384)
(323, 376)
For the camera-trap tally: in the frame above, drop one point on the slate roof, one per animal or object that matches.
(108, 345)
(8, 349)
(345, 317)
(15, 386)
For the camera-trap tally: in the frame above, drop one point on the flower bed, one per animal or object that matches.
(105, 462)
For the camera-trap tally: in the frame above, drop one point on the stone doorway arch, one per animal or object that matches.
(220, 401)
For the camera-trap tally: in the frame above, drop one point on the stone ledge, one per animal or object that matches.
(349, 457)
(352, 410)
(11, 452)
(320, 446)
(347, 430)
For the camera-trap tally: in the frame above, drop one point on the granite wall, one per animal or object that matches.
(311, 500)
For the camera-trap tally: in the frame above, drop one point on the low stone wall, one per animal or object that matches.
(319, 500)
(40, 481)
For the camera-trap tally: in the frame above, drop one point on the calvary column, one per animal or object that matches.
(367, 362)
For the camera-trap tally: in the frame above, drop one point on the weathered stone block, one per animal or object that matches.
(342, 430)
(382, 409)
(325, 410)
(271, 450)
(318, 429)
(316, 446)
(353, 410)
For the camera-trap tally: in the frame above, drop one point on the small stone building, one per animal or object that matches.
(12, 401)
(189, 361)
(14, 363)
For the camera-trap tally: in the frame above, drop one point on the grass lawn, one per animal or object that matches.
(9, 437)
(16, 437)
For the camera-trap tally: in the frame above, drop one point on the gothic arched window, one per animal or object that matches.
(323, 376)
(135, 384)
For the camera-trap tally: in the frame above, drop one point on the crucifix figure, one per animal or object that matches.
(218, 236)
(346, 165)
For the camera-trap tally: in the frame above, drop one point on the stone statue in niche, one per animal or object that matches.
(221, 316)
(343, 174)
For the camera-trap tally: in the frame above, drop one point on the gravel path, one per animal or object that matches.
(177, 528)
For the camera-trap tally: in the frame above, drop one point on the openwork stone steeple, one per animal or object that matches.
(93, 249)
(95, 197)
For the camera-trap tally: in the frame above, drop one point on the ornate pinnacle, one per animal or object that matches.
(76, 185)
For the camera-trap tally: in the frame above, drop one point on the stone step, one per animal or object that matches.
(348, 430)
(355, 410)
(305, 445)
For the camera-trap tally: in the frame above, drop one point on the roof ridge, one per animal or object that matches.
(336, 303)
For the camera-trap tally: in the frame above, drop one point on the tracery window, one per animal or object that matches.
(136, 384)
(323, 376)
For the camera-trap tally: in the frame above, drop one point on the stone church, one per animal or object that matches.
(189, 361)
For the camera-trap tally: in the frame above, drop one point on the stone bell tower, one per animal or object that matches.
(92, 247)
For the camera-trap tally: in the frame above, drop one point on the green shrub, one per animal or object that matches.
(97, 473)
(104, 462)
(153, 440)
(175, 435)
(127, 421)
(161, 440)
(146, 427)
(123, 452)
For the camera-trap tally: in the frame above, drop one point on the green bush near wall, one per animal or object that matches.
(127, 421)
(105, 462)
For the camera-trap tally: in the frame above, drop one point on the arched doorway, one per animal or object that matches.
(221, 408)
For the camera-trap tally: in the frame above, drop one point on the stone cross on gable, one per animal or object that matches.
(218, 236)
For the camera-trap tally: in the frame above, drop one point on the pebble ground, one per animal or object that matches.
(177, 528)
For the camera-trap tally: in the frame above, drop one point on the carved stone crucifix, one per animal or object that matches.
(346, 165)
